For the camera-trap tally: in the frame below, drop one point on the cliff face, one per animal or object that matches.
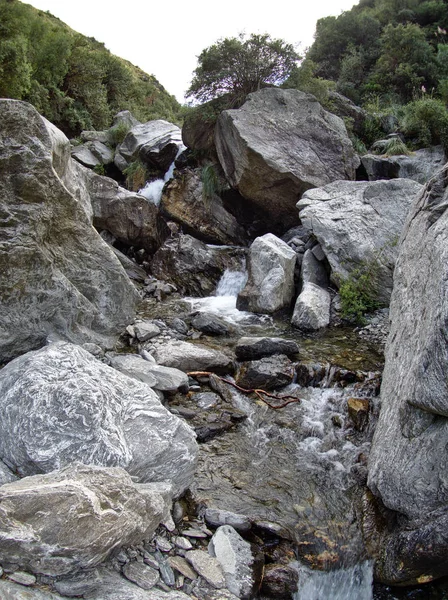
(408, 463)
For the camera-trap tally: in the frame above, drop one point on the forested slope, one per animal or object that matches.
(72, 80)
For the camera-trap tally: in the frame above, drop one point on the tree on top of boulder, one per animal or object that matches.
(238, 66)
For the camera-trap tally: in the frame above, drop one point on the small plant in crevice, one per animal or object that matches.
(117, 134)
(136, 175)
(99, 169)
(359, 292)
(211, 183)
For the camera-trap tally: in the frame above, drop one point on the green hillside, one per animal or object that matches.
(71, 79)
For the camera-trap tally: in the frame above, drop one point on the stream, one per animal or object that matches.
(297, 473)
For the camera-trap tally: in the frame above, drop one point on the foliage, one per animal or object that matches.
(118, 133)
(211, 183)
(136, 175)
(71, 79)
(304, 78)
(407, 61)
(425, 121)
(238, 66)
(394, 147)
(390, 47)
(358, 291)
(99, 169)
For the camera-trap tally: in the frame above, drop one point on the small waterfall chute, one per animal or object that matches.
(152, 191)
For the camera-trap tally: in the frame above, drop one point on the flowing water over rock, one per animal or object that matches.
(152, 191)
(354, 583)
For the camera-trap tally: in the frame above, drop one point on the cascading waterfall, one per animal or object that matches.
(152, 191)
(354, 583)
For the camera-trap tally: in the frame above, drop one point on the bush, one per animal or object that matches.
(211, 183)
(425, 121)
(359, 292)
(118, 133)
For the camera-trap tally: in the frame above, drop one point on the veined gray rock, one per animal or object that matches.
(279, 144)
(155, 143)
(60, 404)
(71, 519)
(408, 463)
(358, 225)
(270, 286)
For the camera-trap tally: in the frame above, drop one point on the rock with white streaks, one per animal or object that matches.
(61, 522)
(60, 404)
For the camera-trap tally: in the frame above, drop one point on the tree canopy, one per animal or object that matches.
(238, 66)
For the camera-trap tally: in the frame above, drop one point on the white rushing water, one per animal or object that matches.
(223, 303)
(153, 189)
(354, 583)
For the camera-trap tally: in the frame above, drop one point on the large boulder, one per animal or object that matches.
(60, 404)
(279, 144)
(130, 218)
(358, 224)
(192, 266)
(185, 201)
(154, 143)
(58, 276)
(420, 166)
(186, 357)
(270, 286)
(408, 463)
(312, 308)
(72, 519)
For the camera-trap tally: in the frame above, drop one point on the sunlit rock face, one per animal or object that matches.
(59, 278)
(279, 144)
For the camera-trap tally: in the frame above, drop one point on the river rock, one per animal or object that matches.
(145, 330)
(142, 575)
(114, 587)
(270, 286)
(192, 266)
(235, 557)
(154, 143)
(165, 379)
(217, 517)
(60, 278)
(420, 166)
(210, 324)
(344, 108)
(191, 357)
(408, 460)
(63, 521)
(313, 269)
(129, 217)
(251, 348)
(280, 582)
(358, 225)
(312, 308)
(113, 419)
(207, 566)
(268, 148)
(269, 373)
(185, 202)
(15, 591)
(85, 156)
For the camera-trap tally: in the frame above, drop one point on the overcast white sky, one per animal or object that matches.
(165, 38)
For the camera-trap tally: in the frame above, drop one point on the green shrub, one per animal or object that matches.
(211, 183)
(394, 147)
(117, 134)
(99, 169)
(425, 121)
(359, 292)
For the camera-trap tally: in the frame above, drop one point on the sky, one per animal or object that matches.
(165, 39)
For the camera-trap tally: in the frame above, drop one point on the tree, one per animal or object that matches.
(238, 66)
(407, 61)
